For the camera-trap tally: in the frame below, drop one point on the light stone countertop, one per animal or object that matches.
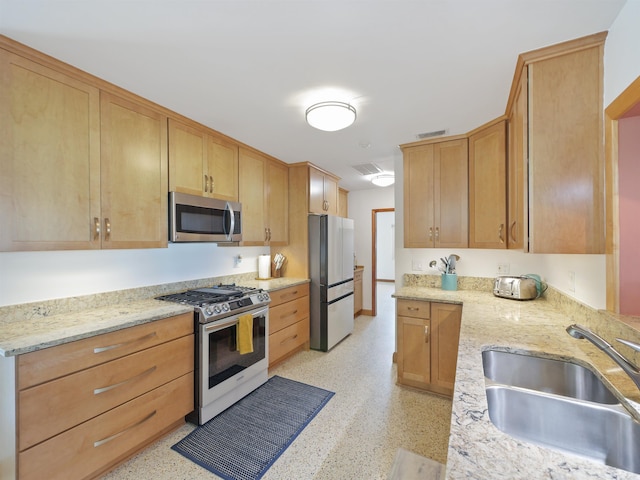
(477, 449)
(28, 327)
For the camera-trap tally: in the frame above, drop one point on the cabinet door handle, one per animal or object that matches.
(98, 391)
(107, 229)
(118, 345)
(113, 437)
(269, 234)
(500, 233)
(426, 334)
(206, 183)
(211, 184)
(513, 235)
(437, 233)
(96, 228)
(430, 233)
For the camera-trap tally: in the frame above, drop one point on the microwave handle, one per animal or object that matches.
(229, 209)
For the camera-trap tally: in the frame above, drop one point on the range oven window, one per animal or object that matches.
(224, 359)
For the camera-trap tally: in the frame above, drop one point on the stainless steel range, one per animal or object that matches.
(223, 374)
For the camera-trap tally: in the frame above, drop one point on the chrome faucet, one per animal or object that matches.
(580, 332)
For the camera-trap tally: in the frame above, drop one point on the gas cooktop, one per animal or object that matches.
(219, 301)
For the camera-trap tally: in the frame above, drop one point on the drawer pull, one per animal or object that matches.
(289, 338)
(290, 314)
(426, 334)
(98, 391)
(416, 309)
(113, 437)
(118, 345)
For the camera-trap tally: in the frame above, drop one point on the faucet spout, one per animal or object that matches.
(581, 332)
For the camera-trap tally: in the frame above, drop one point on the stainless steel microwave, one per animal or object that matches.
(201, 219)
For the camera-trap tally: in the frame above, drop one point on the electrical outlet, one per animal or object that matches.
(572, 281)
(503, 268)
(416, 265)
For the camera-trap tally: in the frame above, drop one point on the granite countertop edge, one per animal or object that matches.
(40, 329)
(477, 449)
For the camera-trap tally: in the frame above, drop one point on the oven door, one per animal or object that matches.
(222, 367)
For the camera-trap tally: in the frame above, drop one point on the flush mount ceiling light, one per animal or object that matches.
(330, 116)
(383, 180)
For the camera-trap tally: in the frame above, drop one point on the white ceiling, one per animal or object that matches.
(249, 69)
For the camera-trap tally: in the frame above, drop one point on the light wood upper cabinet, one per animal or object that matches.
(435, 194)
(49, 158)
(202, 163)
(488, 187)
(517, 173)
(133, 174)
(343, 202)
(556, 134)
(323, 192)
(264, 194)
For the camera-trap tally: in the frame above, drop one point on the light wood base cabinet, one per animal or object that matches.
(357, 290)
(86, 405)
(427, 348)
(288, 322)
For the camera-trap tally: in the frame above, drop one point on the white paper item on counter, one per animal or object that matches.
(264, 266)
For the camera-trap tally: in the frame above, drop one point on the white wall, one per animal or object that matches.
(622, 51)
(33, 276)
(386, 245)
(361, 203)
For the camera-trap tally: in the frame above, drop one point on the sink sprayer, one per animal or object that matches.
(580, 332)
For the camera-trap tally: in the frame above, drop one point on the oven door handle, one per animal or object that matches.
(214, 327)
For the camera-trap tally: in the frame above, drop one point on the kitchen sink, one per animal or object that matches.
(603, 433)
(545, 375)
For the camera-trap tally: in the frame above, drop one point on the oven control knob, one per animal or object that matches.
(208, 311)
(216, 309)
(225, 307)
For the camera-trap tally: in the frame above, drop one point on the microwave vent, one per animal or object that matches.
(367, 168)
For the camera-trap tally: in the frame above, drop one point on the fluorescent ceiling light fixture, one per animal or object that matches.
(384, 180)
(330, 116)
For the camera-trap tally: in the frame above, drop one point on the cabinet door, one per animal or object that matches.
(343, 203)
(222, 169)
(316, 191)
(187, 150)
(49, 158)
(418, 197)
(133, 174)
(488, 188)
(251, 183)
(450, 188)
(330, 195)
(414, 351)
(445, 333)
(566, 184)
(518, 145)
(278, 203)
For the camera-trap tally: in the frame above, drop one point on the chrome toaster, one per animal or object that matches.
(517, 288)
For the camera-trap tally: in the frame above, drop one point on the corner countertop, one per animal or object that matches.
(477, 449)
(29, 327)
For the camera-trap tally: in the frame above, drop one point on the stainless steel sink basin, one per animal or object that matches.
(603, 433)
(545, 375)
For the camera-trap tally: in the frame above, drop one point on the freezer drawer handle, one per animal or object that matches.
(113, 437)
(118, 345)
(98, 391)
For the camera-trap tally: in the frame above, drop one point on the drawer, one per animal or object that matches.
(286, 314)
(89, 447)
(50, 408)
(288, 294)
(413, 308)
(288, 339)
(49, 363)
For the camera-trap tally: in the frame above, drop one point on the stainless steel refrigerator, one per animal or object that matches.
(331, 271)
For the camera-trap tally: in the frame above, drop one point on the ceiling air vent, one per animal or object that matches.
(367, 168)
(422, 136)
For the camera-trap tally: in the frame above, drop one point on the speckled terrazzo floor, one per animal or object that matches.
(359, 431)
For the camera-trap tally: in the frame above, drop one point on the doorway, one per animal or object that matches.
(382, 250)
